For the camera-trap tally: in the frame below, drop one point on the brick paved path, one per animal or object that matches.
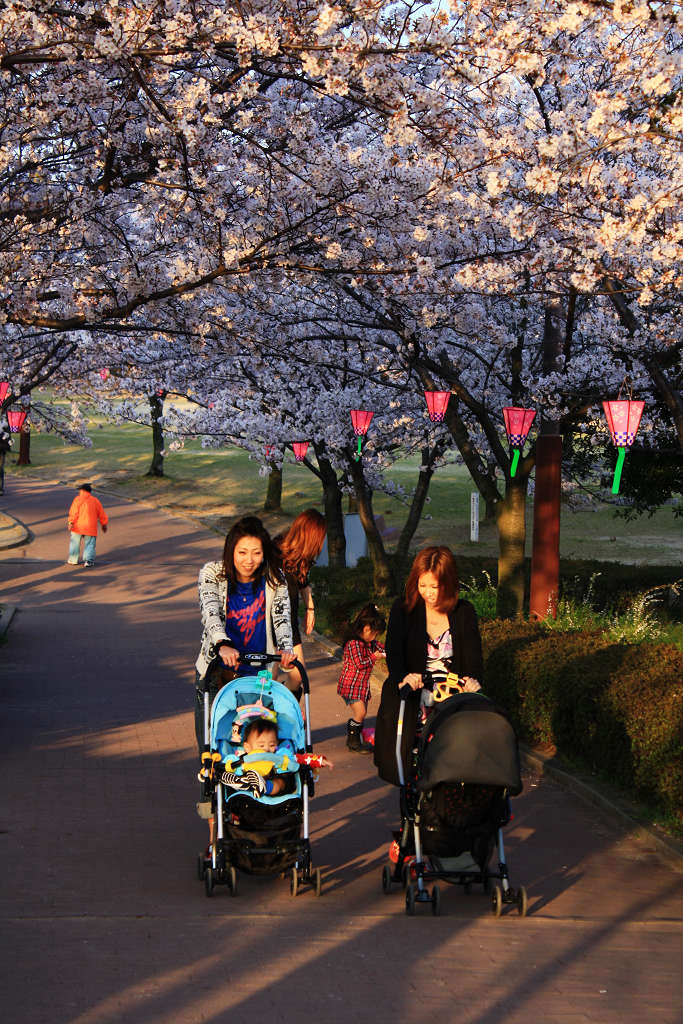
(103, 918)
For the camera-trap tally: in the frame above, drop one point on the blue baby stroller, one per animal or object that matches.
(455, 802)
(260, 835)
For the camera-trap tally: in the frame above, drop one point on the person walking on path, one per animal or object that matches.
(84, 514)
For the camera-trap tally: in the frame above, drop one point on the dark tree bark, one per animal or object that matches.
(24, 447)
(273, 502)
(383, 577)
(511, 523)
(334, 516)
(419, 497)
(156, 405)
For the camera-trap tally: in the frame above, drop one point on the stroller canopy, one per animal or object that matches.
(246, 690)
(469, 739)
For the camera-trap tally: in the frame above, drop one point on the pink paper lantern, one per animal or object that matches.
(360, 419)
(436, 404)
(623, 420)
(104, 373)
(15, 418)
(4, 388)
(517, 424)
(300, 449)
(268, 450)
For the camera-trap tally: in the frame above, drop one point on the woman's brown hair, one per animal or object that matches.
(440, 562)
(302, 543)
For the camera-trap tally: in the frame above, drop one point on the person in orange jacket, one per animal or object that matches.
(85, 513)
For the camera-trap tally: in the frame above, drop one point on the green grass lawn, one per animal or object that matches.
(224, 483)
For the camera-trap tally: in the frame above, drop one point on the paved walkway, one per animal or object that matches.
(103, 919)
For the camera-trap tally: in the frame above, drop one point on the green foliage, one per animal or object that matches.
(480, 592)
(615, 709)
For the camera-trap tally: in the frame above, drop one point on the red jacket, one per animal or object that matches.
(84, 513)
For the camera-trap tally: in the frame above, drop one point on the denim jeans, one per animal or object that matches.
(75, 548)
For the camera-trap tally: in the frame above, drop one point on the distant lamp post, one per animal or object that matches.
(623, 420)
(300, 448)
(15, 418)
(4, 388)
(360, 419)
(436, 404)
(517, 425)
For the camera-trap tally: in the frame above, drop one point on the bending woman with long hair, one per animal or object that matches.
(298, 547)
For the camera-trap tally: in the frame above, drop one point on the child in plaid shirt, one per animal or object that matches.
(361, 651)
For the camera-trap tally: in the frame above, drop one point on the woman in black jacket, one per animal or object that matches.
(431, 629)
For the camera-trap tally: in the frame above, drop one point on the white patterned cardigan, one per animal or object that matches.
(213, 596)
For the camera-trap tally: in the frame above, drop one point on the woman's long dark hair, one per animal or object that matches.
(441, 562)
(251, 526)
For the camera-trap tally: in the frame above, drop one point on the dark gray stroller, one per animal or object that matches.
(455, 803)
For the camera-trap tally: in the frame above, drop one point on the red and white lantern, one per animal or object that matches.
(517, 425)
(300, 448)
(437, 402)
(16, 418)
(623, 420)
(360, 419)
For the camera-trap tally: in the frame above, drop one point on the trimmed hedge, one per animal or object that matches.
(616, 709)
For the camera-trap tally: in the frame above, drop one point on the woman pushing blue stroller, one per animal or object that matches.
(257, 777)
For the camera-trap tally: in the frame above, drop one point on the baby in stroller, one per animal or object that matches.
(455, 798)
(257, 775)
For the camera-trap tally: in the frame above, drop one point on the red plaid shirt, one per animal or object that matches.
(359, 657)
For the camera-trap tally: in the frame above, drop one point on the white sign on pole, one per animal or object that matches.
(474, 516)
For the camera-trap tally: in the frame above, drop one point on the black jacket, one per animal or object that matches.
(406, 647)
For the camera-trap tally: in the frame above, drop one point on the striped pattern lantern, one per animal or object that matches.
(437, 402)
(623, 420)
(360, 419)
(517, 425)
(300, 448)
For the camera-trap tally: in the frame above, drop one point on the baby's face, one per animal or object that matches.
(264, 742)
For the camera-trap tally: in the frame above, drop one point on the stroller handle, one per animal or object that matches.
(257, 660)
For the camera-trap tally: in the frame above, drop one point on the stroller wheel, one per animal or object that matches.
(293, 882)
(410, 899)
(201, 866)
(232, 880)
(316, 881)
(436, 901)
(208, 881)
(386, 879)
(496, 900)
(522, 902)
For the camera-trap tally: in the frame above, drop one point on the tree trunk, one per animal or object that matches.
(383, 577)
(334, 516)
(24, 447)
(156, 405)
(511, 522)
(273, 502)
(416, 506)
